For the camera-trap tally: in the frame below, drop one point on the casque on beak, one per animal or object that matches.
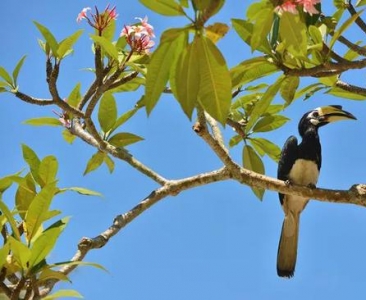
(333, 113)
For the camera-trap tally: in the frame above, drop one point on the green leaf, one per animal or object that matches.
(185, 79)
(68, 136)
(262, 27)
(163, 58)
(293, 34)
(63, 294)
(309, 90)
(289, 87)
(215, 82)
(78, 263)
(123, 119)
(9, 216)
(109, 31)
(48, 169)
(338, 92)
(17, 70)
(360, 3)
(75, 96)
(48, 36)
(33, 162)
(43, 121)
(45, 242)
(109, 162)
(129, 86)
(245, 30)
(107, 114)
(261, 106)
(253, 162)
(264, 146)
(251, 70)
(66, 44)
(38, 209)
(123, 139)
(164, 7)
(48, 274)
(95, 162)
(82, 191)
(106, 45)
(20, 252)
(235, 140)
(343, 28)
(25, 194)
(5, 75)
(269, 123)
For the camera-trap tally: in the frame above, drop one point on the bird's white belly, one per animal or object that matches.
(304, 172)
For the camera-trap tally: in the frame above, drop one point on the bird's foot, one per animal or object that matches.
(311, 185)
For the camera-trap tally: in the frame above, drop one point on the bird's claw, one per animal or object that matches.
(311, 185)
(288, 182)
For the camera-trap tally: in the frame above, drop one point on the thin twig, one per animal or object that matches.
(358, 21)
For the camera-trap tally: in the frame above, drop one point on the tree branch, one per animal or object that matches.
(351, 88)
(358, 21)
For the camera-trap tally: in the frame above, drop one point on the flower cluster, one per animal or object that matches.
(139, 36)
(98, 20)
(308, 6)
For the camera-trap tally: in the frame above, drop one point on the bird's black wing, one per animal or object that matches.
(288, 157)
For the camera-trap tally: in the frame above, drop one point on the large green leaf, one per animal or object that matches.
(60, 294)
(48, 36)
(4, 252)
(293, 34)
(253, 162)
(262, 105)
(43, 121)
(164, 7)
(269, 123)
(45, 242)
(262, 27)
(17, 70)
(66, 44)
(123, 139)
(25, 194)
(185, 79)
(48, 169)
(109, 163)
(289, 87)
(81, 191)
(5, 75)
(94, 162)
(75, 96)
(251, 70)
(264, 146)
(9, 216)
(163, 58)
(338, 92)
(215, 81)
(123, 119)
(106, 45)
(38, 210)
(20, 252)
(245, 30)
(107, 114)
(32, 160)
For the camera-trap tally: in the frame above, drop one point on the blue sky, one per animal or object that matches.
(213, 242)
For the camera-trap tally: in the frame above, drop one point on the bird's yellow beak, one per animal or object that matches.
(333, 113)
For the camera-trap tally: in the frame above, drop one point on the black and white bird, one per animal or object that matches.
(300, 164)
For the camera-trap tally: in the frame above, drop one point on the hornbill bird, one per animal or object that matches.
(300, 164)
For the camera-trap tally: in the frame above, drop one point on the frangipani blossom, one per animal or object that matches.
(307, 6)
(139, 36)
(83, 14)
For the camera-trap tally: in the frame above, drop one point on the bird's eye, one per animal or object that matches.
(315, 114)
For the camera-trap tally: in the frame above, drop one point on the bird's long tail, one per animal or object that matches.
(287, 248)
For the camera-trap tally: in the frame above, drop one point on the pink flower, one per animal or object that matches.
(83, 14)
(309, 6)
(287, 6)
(139, 36)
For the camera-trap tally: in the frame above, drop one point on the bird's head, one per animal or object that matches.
(321, 116)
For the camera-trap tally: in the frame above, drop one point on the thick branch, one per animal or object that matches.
(351, 88)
